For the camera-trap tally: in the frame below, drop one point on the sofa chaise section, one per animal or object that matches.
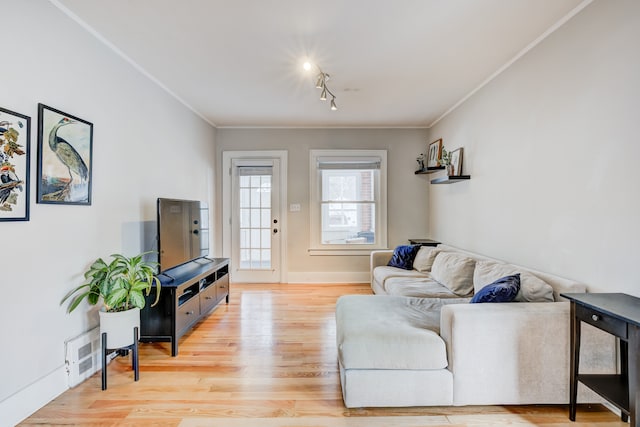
(496, 353)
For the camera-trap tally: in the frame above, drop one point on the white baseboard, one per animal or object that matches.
(25, 402)
(328, 277)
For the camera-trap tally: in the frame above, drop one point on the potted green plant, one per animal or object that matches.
(121, 284)
(445, 161)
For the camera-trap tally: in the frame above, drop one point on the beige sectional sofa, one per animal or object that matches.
(418, 341)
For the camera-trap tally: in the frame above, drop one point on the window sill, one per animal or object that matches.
(343, 252)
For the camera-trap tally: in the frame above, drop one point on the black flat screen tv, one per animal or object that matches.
(183, 232)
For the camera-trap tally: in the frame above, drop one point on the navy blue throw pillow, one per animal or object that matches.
(502, 290)
(403, 256)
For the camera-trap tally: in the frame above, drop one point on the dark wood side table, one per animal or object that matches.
(424, 242)
(619, 315)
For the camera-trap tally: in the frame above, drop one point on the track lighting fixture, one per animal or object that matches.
(321, 83)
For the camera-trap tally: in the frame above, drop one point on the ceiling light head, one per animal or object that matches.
(321, 83)
(306, 66)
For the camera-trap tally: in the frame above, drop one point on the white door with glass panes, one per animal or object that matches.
(255, 220)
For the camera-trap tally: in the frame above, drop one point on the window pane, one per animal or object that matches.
(266, 258)
(244, 181)
(255, 181)
(244, 238)
(265, 221)
(348, 223)
(244, 198)
(265, 198)
(244, 258)
(255, 218)
(244, 218)
(255, 238)
(266, 238)
(255, 258)
(255, 197)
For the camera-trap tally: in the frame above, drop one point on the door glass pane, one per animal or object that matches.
(255, 219)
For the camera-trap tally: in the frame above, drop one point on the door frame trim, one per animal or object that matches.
(227, 160)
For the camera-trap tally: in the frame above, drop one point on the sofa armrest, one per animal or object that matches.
(379, 258)
(517, 353)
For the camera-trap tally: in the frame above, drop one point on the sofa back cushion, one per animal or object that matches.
(455, 271)
(424, 258)
(532, 288)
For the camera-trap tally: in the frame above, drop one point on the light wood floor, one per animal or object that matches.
(266, 359)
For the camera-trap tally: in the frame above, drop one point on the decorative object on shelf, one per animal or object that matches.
(121, 284)
(456, 161)
(420, 160)
(15, 137)
(434, 153)
(321, 83)
(445, 160)
(65, 147)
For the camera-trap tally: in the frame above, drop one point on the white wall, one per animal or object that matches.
(407, 196)
(146, 145)
(552, 149)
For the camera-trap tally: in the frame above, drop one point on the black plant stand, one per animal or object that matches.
(121, 351)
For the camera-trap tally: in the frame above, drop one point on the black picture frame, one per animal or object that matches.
(65, 157)
(15, 155)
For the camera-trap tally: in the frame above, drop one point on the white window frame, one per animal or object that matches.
(315, 205)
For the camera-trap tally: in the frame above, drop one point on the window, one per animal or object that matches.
(348, 201)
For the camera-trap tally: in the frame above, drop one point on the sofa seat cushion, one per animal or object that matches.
(389, 332)
(384, 272)
(422, 287)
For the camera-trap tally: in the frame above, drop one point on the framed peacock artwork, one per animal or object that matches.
(65, 144)
(15, 140)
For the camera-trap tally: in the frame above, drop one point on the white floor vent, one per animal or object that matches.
(83, 356)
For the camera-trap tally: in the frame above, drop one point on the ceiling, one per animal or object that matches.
(401, 63)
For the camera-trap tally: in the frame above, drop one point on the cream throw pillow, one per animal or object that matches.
(455, 271)
(424, 258)
(532, 288)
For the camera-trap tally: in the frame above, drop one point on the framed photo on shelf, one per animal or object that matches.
(434, 153)
(456, 161)
(15, 141)
(65, 144)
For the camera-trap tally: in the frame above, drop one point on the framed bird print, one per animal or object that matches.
(15, 140)
(65, 144)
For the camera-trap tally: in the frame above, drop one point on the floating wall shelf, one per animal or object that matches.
(429, 170)
(450, 179)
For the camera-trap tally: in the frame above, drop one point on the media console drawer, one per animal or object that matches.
(187, 314)
(208, 298)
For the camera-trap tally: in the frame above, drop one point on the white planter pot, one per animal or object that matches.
(119, 327)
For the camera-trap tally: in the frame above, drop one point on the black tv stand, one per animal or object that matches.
(193, 290)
